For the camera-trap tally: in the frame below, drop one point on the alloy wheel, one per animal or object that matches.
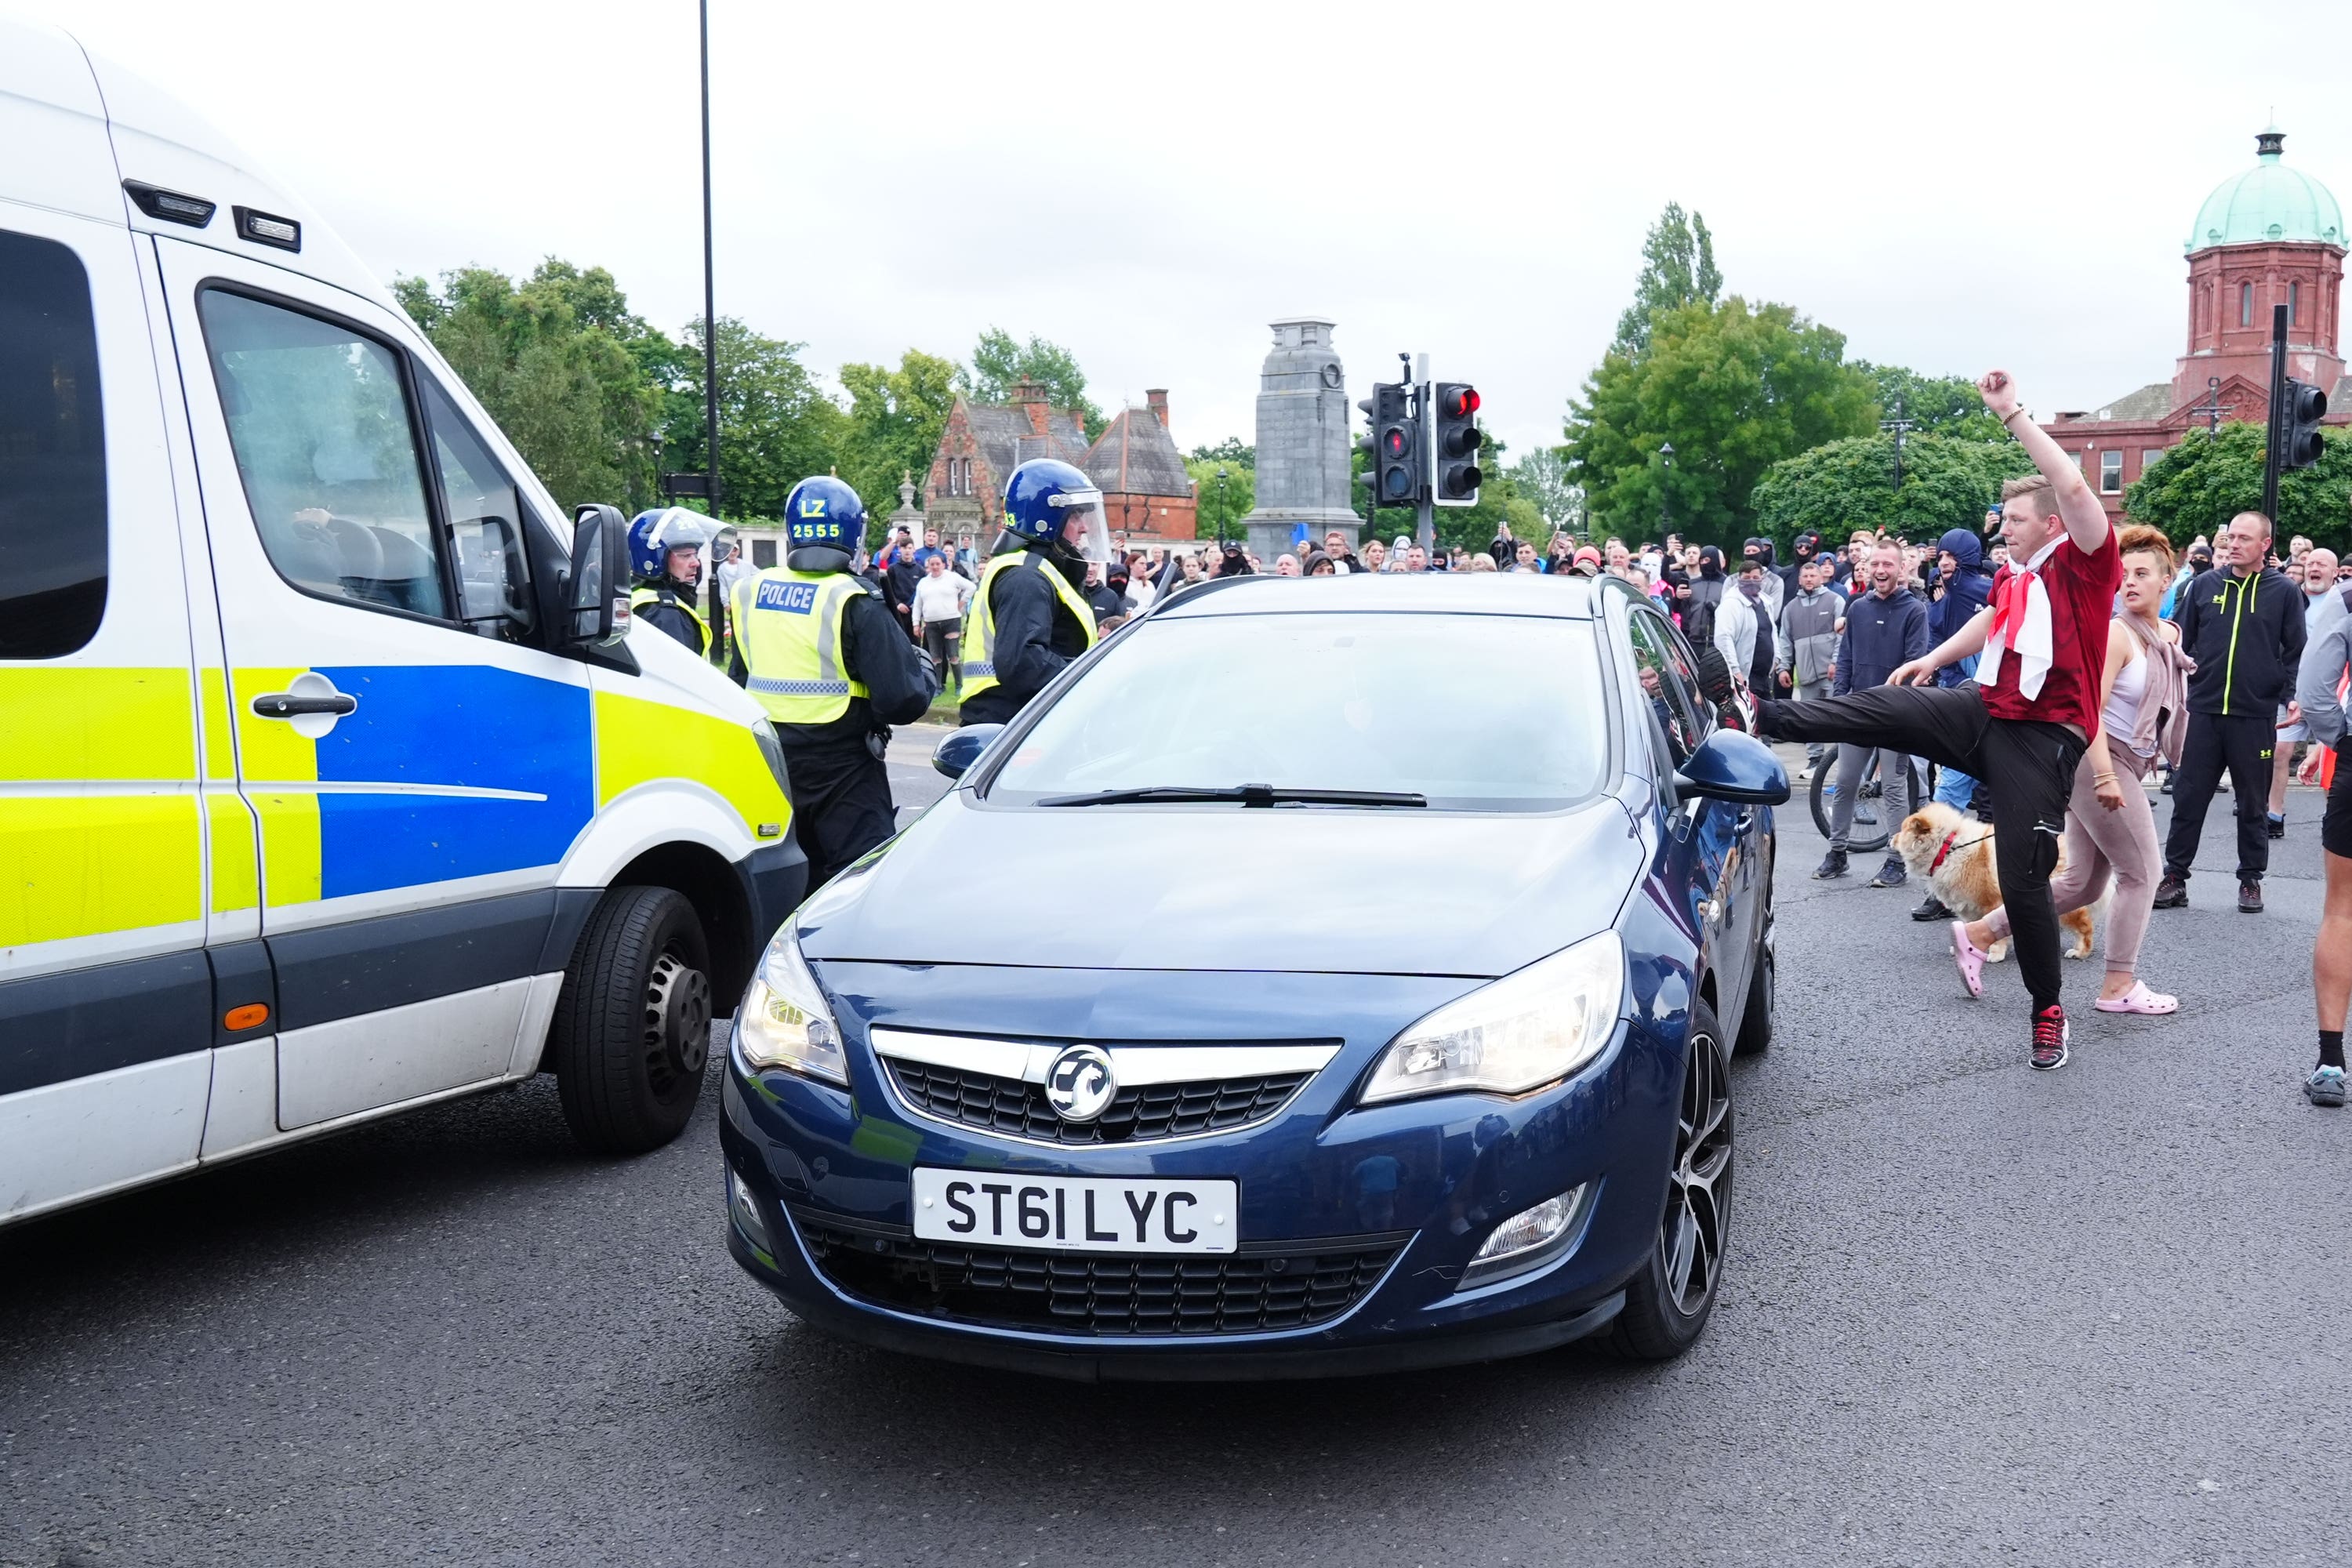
(1698, 1187)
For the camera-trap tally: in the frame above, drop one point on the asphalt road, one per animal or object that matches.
(1972, 1313)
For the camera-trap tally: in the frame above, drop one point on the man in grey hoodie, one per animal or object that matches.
(1809, 639)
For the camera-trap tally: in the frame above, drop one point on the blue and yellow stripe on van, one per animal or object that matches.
(100, 826)
(442, 772)
(639, 741)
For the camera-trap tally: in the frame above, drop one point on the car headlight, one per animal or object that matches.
(1529, 1027)
(785, 1021)
(771, 750)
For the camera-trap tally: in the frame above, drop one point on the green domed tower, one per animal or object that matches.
(2268, 235)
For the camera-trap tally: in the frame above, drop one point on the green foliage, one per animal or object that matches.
(553, 363)
(1735, 390)
(1677, 269)
(2198, 486)
(1239, 497)
(776, 426)
(893, 426)
(1542, 478)
(1230, 452)
(998, 364)
(1841, 486)
(1940, 405)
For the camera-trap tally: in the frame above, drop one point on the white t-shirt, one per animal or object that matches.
(941, 598)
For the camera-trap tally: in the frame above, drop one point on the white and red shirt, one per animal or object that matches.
(2049, 638)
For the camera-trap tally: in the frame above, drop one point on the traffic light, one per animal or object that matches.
(1458, 441)
(2306, 408)
(1392, 445)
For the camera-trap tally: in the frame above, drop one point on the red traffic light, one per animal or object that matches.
(1395, 441)
(1460, 402)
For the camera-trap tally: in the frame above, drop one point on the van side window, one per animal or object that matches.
(319, 422)
(485, 514)
(52, 453)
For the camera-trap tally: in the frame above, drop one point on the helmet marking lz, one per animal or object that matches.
(824, 510)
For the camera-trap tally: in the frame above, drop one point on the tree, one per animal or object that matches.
(1841, 486)
(1230, 452)
(1240, 497)
(1734, 390)
(1542, 477)
(1943, 404)
(776, 426)
(553, 363)
(2198, 486)
(893, 425)
(1677, 269)
(998, 364)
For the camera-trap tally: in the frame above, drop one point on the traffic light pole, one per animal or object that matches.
(2274, 442)
(1424, 508)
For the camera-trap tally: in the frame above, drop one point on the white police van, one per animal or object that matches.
(331, 779)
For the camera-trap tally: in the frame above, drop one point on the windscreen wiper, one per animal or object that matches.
(1247, 795)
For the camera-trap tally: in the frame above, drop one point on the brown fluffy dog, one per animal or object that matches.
(1966, 882)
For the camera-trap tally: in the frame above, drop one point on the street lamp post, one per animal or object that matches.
(710, 298)
(1221, 506)
(1899, 428)
(1666, 462)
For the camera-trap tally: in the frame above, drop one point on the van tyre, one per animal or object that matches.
(1668, 1301)
(632, 1030)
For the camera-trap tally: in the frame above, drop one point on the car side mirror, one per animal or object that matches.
(1733, 767)
(955, 755)
(598, 601)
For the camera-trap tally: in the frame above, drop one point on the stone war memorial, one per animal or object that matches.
(1302, 441)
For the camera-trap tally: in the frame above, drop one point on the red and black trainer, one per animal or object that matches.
(2050, 1038)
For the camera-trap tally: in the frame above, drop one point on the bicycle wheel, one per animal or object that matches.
(1869, 830)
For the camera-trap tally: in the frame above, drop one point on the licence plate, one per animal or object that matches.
(1085, 1213)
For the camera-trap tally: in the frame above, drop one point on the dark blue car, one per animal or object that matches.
(1325, 975)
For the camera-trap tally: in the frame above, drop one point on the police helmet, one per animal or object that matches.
(824, 511)
(1043, 494)
(655, 534)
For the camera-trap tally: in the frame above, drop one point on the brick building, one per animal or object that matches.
(1135, 463)
(2270, 236)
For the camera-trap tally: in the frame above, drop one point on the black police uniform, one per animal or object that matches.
(674, 611)
(1036, 636)
(840, 790)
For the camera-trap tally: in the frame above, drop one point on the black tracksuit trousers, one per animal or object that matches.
(2243, 744)
(2029, 766)
(841, 804)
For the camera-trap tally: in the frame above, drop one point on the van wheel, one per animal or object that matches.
(632, 1027)
(1668, 1301)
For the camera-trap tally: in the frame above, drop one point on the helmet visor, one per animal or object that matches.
(1069, 506)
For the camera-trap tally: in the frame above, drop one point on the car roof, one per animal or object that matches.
(1570, 598)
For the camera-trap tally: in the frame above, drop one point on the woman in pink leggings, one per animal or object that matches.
(2143, 702)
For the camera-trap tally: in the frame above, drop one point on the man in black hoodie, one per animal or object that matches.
(1705, 596)
(2243, 624)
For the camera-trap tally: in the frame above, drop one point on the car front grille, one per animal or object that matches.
(1019, 1110)
(1300, 1285)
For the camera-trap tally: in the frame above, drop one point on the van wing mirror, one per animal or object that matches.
(598, 602)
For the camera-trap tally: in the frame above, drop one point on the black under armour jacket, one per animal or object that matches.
(2246, 635)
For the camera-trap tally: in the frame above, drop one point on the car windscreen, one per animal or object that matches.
(1468, 711)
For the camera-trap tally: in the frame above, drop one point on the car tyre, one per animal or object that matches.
(1667, 1302)
(632, 1030)
(1755, 1036)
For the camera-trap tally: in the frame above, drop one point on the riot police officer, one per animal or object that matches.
(1028, 620)
(666, 559)
(819, 648)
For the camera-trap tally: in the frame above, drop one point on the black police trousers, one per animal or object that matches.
(841, 804)
(2243, 746)
(2029, 764)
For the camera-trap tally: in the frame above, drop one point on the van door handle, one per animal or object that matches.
(286, 705)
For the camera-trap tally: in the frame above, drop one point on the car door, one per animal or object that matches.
(1702, 854)
(105, 994)
(419, 765)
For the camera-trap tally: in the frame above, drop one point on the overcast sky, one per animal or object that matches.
(1150, 184)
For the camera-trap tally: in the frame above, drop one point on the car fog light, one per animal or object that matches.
(746, 1210)
(1528, 1239)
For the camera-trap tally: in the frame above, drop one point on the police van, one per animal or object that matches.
(332, 780)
